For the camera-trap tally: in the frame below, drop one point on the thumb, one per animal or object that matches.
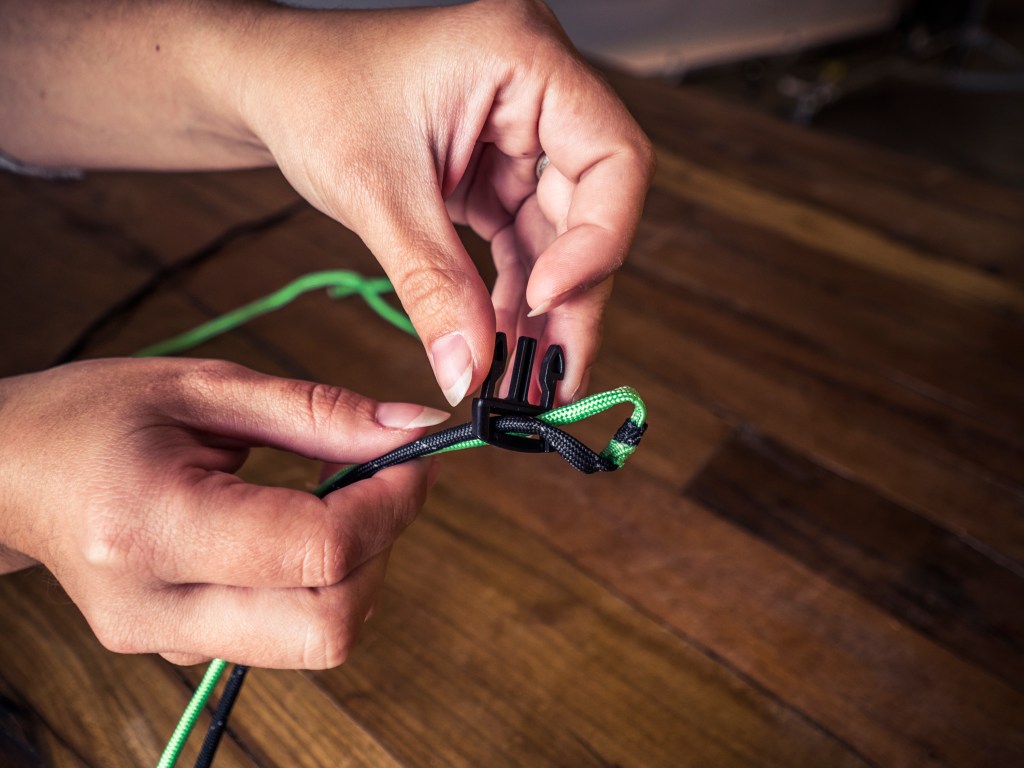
(412, 237)
(315, 420)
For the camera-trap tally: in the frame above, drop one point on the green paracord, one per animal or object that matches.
(191, 713)
(340, 284)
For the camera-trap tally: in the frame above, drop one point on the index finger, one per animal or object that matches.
(591, 139)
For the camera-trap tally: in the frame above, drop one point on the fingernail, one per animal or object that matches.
(547, 306)
(408, 415)
(540, 309)
(453, 366)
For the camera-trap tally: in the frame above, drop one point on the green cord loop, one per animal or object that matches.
(591, 405)
(340, 283)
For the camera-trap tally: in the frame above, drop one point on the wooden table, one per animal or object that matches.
(815, 559)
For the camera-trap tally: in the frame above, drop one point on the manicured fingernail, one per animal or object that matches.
(408, 415)
(547, 306)
(453, 366)
(539, 309)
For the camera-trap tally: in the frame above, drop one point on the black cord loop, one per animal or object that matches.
(578, 455)
(565, 445)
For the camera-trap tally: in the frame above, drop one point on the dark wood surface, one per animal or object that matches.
(816, 558)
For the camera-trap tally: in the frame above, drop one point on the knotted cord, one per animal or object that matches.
(339, 284)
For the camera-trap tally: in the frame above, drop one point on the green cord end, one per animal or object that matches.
(191, 714)
(617, 452)
(322, 489)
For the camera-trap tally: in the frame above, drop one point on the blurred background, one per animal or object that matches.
(938, 79)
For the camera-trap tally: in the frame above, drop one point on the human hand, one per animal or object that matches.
(398, 122)
(117, 475)
(393, 122)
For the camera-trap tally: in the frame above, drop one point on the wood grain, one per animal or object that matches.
(522, 690)
(824, 650)
(811, 226)
(98, 708)
(930, 208)
(892, 438)
(815, 558)
(917, 571)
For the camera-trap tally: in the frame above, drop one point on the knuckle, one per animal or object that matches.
(327, 558)
(329, 641)
(407, 506)
(207, 376)
(195, 383)
(646, 156)
(323, 404)
(433, 290)
(531, 16)
(112, 544)
(638, 153)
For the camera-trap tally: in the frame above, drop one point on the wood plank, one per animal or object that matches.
(103, 709)
(810, 225)
(488, 649)
(920, 573)
(26, 740)
(889, 438)
(341, 342)
(282, 718)
(890, 694)
(920, 204)
(145, 212)
(950, 353)
(58, 279)
(129, 222)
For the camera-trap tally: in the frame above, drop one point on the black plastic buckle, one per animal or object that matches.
(487, 408)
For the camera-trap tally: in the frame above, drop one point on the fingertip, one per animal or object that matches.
(546, 305)
(542, 309)
(453, 366)
(433, 470)
(407, 481)
(409, 416)
(185, 659)
(582, 388)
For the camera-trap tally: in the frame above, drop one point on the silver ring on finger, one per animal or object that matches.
(542, 163)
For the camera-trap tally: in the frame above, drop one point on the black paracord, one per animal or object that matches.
(221, 715)
(565, 445)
